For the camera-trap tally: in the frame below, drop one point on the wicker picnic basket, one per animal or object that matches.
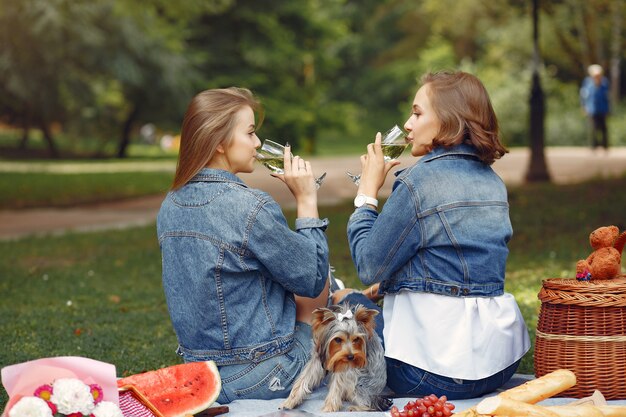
(582, 327)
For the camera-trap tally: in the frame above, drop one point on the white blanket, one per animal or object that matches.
(312, 406)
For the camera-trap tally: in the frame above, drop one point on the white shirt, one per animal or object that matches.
(458, 337)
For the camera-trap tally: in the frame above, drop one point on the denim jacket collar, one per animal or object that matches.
(441, 151)
(217, 175)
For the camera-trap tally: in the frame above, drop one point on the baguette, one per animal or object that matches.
(498, 406)
(534, 390)
(541, 388)
(585, 410)
(506, 407)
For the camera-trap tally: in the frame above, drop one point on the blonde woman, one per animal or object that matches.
(240, 284)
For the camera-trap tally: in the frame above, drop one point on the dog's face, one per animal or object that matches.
(340, 336)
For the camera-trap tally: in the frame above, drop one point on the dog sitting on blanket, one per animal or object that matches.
(346, 347)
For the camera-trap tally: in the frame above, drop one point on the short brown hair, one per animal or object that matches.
(464, 109)
(209, 121)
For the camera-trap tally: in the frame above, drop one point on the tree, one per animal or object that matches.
(38, 74)
(616, 49)
(537, 170)
(94, 67)
(285, 52)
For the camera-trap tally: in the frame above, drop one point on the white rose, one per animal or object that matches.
(72, 396)
(30, 407)
(107, 409)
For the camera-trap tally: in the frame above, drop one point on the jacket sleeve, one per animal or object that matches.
(298, 260)
(382, 243)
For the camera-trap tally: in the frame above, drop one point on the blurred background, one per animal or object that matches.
(112, 78)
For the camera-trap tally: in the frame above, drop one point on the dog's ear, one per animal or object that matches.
(365, 316)
(321, 318)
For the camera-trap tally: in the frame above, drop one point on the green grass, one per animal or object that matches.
(99, 294)
(26, 190)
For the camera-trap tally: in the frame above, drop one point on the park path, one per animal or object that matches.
(565, 164)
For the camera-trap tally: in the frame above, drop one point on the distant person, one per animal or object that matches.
(438, 247)
(594, 98)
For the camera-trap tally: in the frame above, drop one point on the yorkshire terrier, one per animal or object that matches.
(346, 347)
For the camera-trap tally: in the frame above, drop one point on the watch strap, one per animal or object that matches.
(367, 200)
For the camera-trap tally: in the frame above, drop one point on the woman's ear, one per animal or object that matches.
(220, 148)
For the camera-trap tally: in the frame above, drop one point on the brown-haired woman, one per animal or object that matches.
(438, 249)
(240, 284)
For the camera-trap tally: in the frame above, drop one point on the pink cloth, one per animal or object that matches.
(24, 378)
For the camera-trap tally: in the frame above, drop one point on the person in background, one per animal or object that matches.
(594, 98)
(438, 248)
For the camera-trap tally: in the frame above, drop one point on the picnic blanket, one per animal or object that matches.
(312, 406)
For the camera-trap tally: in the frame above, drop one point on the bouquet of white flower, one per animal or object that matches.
(66, 397)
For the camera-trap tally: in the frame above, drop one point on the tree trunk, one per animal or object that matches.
(583, 36)
(24, 140)
(616, 42)
(54, 153)
(537, 169)
(125, 139)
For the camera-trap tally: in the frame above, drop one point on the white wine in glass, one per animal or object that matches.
(393, 151)
(393, 143)
(276, 165)
(271, 154)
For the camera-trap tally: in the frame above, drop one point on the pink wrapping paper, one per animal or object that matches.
(24, 378)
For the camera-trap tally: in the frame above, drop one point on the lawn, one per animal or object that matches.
(99, 294)
(45, 189)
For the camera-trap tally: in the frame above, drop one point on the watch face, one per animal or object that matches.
(359, 200)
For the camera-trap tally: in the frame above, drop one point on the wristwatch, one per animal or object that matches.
(361, 199)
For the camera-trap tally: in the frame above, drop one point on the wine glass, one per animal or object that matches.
(272, 155)
(393, 143)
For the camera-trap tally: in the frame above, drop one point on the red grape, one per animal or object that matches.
(429, 406)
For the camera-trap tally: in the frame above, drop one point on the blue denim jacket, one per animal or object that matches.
(444, 229)
(231, 267)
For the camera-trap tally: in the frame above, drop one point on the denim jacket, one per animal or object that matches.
(231, 267)
(443, 230)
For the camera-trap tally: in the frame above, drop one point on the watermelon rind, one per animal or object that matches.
(178, 390)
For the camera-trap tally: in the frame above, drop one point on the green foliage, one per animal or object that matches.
(285, 53)
(327, 72)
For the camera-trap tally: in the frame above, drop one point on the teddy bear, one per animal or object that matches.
(606, 258)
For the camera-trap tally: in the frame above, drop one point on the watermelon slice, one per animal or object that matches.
(179, 390)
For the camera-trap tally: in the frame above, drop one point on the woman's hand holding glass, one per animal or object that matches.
(393, 143)
(274, 156)
(295, 172)
(375, 165)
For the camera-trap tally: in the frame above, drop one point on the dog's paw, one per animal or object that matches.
(289, 404)
(358, 408)
(330, 409)
(380, 403)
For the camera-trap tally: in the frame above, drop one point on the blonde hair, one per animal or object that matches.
(209, 121)
(464, 109)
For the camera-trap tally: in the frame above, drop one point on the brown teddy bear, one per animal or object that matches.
(606, 258)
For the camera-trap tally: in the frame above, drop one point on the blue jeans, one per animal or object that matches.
(408, 381)
(271, 378)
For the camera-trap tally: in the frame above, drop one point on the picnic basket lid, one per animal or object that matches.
(594, 293)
